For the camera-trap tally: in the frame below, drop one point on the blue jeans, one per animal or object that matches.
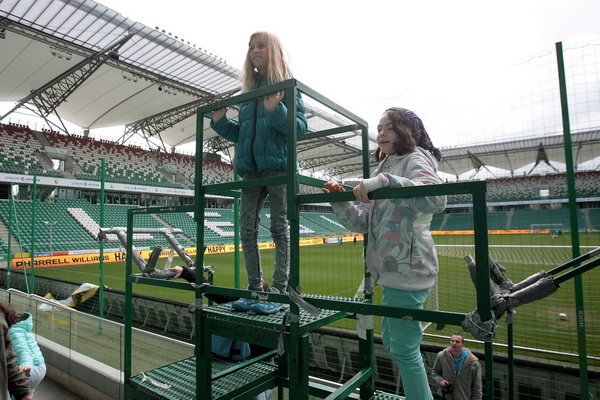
(252, 202)
(266, 395)
(402, 339)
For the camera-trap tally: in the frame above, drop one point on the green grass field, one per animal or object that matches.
(337, 270)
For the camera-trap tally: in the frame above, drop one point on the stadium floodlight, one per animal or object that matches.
(50, 225)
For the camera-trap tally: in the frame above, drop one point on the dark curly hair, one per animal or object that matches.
(417, 130)
(406, 143)
(10, 314)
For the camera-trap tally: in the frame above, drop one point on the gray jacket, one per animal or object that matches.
(400, 252)
(467, 382)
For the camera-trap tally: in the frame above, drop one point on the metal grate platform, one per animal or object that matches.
(273, 322)
(386, 396)
(177, 381)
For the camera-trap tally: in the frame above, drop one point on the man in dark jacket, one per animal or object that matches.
(458, 372)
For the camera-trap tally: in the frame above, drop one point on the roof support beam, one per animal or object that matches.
(542, 156)
(217, 144)
(317, 162)
(157, 123)
(44, 101)
(477, 164)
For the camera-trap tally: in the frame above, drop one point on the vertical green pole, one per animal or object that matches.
(199, 198)
(293, 211)
(483, 274)
(481, 250)
(237, 274)
(101, 282)
(366, 174)
(33, 218)
(581, 339)
(367, 346)
(295, 358)
(201, 340)
(511, 357)
(128, 335)
(11, 205)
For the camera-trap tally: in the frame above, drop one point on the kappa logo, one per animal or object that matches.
(260, 296)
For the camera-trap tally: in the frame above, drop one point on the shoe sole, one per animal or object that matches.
(266, 311)
(239, 306)
(259, 308)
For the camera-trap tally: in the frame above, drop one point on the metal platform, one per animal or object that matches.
(246, 326)
(181, 379)
(177, 381)
(232, 379)
(386, 396)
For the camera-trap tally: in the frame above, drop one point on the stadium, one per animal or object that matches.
(531, 202)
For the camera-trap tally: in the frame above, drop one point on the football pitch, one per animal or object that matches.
(337, 270)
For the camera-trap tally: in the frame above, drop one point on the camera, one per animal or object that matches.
(448, 388)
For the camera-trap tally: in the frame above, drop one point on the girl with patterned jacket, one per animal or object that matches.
(400, 252)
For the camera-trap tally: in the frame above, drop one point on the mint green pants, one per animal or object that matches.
(402, 339)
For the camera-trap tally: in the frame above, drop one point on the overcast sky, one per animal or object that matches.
(472, 70)
(434, 57)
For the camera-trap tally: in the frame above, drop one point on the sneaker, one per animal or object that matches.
(258, 306)
(266, 307)
(282, 306)
(273, 289)
(242, 304)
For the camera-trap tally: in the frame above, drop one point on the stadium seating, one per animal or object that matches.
(437, 221)
(124, 164)
(185, 222)
(20, 150)
(78, 225)
(529, 188)
(214, 171)
(24, 152)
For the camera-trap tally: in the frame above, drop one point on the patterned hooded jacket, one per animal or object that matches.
(400, 252)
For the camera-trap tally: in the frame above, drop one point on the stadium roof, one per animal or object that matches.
(93, 67)
(87, 64)
(512, 155)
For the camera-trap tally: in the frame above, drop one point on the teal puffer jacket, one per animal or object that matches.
(24, 343)
(261, 135)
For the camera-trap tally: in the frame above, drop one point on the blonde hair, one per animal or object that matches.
(278, 69)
